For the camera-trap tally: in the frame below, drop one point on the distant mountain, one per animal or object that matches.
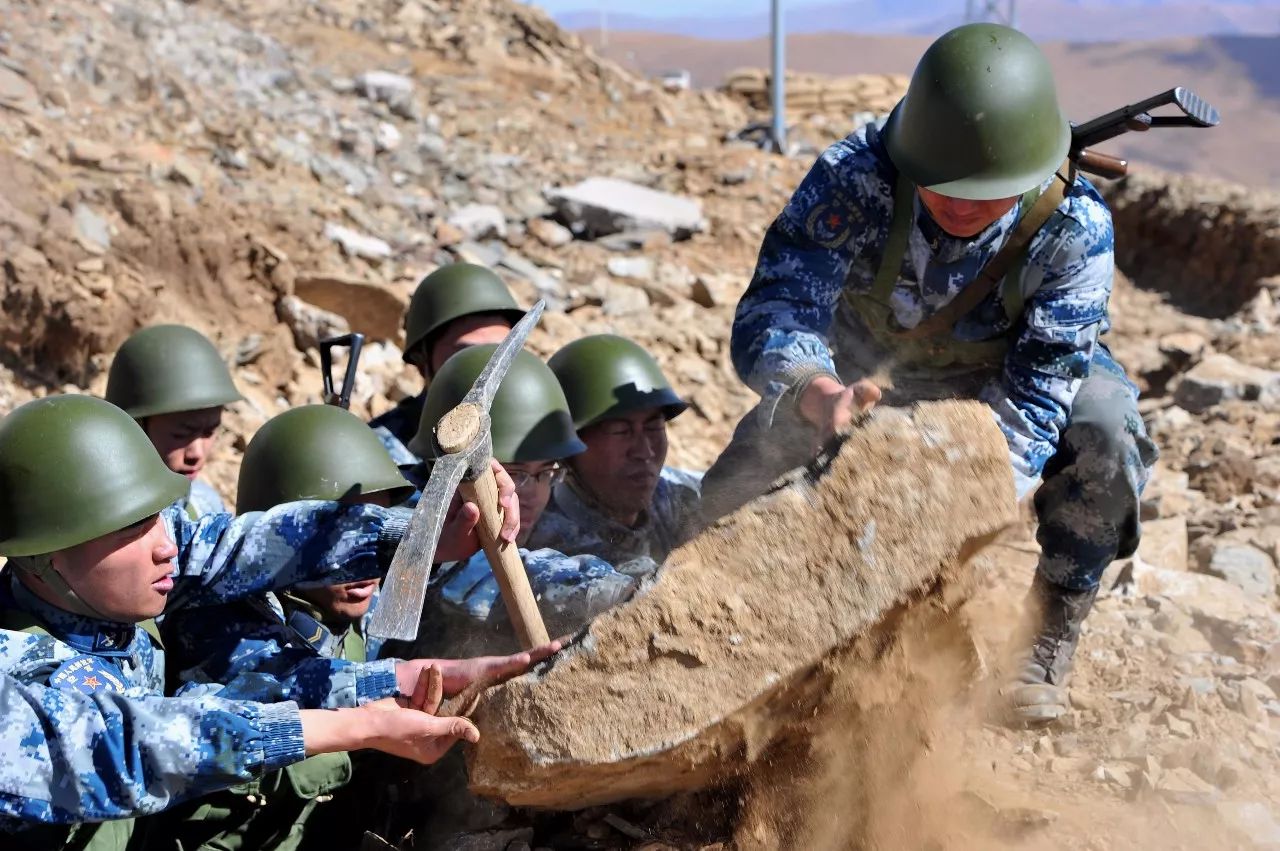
(1057, 20)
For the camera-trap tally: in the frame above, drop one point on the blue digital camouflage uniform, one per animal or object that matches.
(465, 616)
(1055, 390)
(574, 524)
(70, 757)
(397, 427)
(219, 558)
(216, 644)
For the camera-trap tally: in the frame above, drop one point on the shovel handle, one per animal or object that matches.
(504, 560)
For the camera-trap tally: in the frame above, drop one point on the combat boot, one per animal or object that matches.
(1039, 694)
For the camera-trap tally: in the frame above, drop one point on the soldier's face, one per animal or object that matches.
(126, 575)
(346, 602)
(623, 460)
(534, 480)
(476, 330)
(962, 218)
(186, 439)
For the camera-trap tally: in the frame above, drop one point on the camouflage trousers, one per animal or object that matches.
(1088, 502)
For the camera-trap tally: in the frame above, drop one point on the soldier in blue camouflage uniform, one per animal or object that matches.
(172, 380)
(954, 254)
(309, 639)
(97, 549)
(533, 436)
(619, 501)
(456, 306)
(74, 758)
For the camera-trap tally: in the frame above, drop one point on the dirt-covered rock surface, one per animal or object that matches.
(271, 172)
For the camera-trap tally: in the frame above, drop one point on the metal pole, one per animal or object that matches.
(779, 80)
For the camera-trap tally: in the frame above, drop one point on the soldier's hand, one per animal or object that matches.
(831, 407)
(386, 726)
(412, 733)
(457, 674)
(458, 539)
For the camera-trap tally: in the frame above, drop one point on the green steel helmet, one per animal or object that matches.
(74, 468)
(606, 376)
(452, 292)
(316, 452)
(169, 368)
(530, 417)
(980, 119)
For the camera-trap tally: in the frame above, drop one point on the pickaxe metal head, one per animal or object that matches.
(467, 448)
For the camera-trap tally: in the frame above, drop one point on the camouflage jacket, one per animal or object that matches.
(397, 427)
(261, 635)
(70, 757)
(465, 615)
(830, 238)
(574, 524)
(220, 558)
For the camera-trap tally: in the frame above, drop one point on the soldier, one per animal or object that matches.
(456, 306)
(71, 758)
(954, 253)
(88, 523)
(307, 638)
(172, 380)
(533, 436)
(619, 500)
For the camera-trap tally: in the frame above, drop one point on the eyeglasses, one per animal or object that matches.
(550, 476)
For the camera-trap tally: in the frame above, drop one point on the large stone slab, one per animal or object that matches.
(600, 206)
(700, 672)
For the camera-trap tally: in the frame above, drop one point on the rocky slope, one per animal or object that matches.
(271, 172)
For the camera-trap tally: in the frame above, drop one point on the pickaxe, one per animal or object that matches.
(464, 464)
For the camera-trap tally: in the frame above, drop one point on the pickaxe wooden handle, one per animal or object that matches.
(457, 430)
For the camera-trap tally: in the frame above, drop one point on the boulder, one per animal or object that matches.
(1243, 565)
(1221, 378)
(725, 650)
(479, 221)
(1164, 543)
(600, 206)
(369, 308)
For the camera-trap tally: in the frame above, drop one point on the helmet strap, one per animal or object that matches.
(41, 567)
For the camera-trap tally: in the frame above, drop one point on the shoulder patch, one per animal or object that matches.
(87, 674)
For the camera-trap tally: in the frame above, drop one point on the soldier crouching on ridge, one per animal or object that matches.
(172, 380)
(955, 254)
(619, 500)
(98, 549)
(309, 639)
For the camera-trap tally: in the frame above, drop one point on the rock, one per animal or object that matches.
(309, 324)
(383, 86)
(447, 235)
(1164, 543)
(1183, 348)
(1253, 822)
(1243, 565)
(356, 244)
(1182, 786)
(620, 299)
(1221, 378)
(17, 93)
(640, 268)
(88, 152)
(664, 723)
(369, 308)
(601, 206)
(93, 232)
(479, 222)
(386, 137)
(549, 233)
